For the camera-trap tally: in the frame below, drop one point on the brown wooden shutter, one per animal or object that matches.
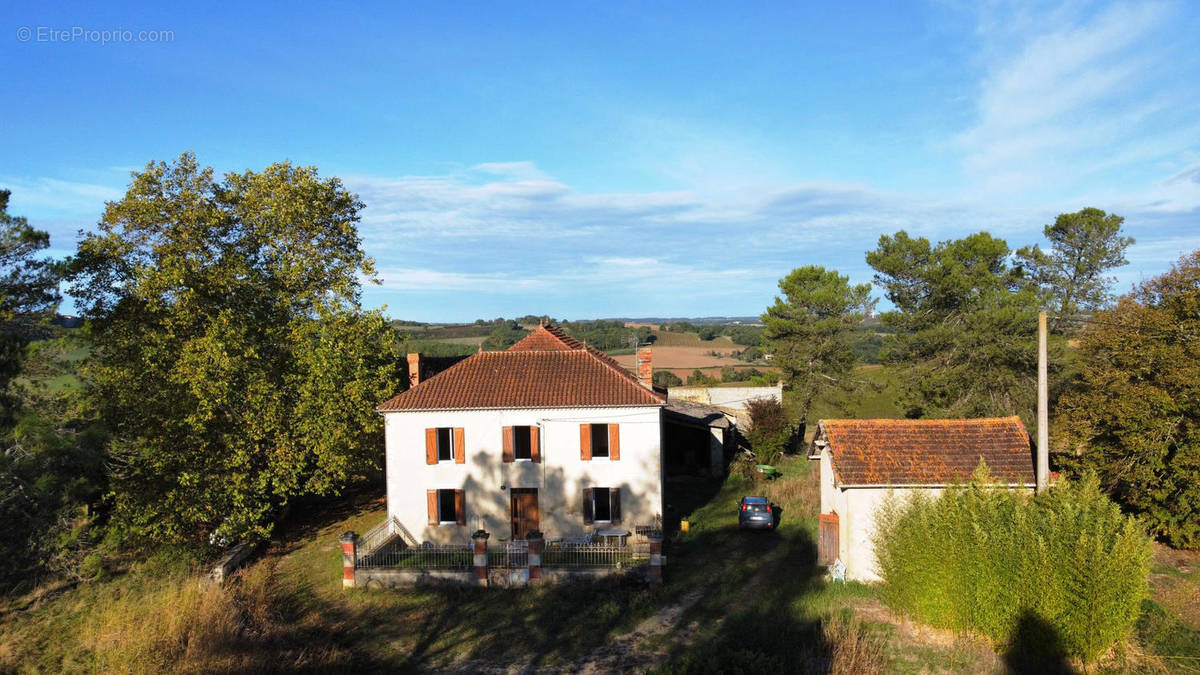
(459, 512)
(585, 442)
(614, 442)
(431, 446)
(507, 453)
(614, 505)
(432, 499)
(535, 449)
(587, 505)
(460, 446)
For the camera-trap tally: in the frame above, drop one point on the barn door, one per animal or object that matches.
(524, 512)
(827, 538)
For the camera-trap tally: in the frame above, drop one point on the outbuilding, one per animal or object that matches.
(864, 461)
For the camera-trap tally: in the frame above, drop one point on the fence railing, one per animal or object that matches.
(594, 555)
(510, 555)
(425, 556)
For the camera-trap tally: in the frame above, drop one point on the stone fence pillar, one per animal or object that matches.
(536, 543)
(657, 560)
(349, 557)
(479, 541)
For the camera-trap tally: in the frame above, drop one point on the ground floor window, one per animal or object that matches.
(446, 507)
(602, 505)
(447, 513)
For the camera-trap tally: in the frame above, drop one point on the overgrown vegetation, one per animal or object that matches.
(1134, 414)
(232, 364)
(1062, 573)
(770, 429)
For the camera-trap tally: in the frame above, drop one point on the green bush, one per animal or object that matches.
(995, 562)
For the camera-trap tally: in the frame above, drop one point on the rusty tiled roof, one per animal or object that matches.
(927, 452)
(546, 369)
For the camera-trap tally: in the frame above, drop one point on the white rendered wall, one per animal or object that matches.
(560, 477)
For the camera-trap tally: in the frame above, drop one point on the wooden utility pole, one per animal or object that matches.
(1043, 411)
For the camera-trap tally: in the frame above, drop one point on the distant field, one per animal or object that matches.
(685, 357)
(477, 340)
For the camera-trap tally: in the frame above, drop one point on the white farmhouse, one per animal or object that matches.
(550, 435)
(863, 461)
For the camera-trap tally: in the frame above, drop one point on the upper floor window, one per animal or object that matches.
(445, 444)
(522, 448)
(599, 440)
(522, 443)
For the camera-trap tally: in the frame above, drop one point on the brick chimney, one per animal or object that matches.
(644, 368)
(414, 370)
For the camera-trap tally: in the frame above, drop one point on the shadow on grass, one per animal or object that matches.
(1036, 647)
(750, 619)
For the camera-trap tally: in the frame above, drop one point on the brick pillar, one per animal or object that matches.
(349, 557)
(479, 539)
(657, 560)
(535, 542)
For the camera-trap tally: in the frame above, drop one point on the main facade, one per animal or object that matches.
(550, 436)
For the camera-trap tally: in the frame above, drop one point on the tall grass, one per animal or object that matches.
(1063, 573)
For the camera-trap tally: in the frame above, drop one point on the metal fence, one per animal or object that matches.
(426, 556)
(509, 555)
(594, 555)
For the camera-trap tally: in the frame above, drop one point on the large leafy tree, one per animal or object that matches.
(1134, 415)
(1072, 274)
(232, 361)
(966, 326)
(28, 293)
(809, 331)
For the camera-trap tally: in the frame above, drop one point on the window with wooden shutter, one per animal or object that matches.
(599, 440)
(587, 506)
(431, 446)
(460, 512)
(601, 505)
(507, 451)
(585, 442)
(614, 442)
(432, 498)
(460, 446)
(522, 442)
(535, 444)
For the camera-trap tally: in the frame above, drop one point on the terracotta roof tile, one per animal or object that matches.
(927, 452)
(546, 369)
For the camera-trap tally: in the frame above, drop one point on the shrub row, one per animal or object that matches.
(1062, 573)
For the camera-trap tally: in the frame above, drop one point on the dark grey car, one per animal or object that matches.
(756, 512)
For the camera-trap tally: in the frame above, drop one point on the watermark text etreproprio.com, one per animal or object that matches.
(100, 36)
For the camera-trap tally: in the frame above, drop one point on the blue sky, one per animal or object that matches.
(610, 159)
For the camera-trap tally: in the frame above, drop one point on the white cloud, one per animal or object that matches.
(1081, 93)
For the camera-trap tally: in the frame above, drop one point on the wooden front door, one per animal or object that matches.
(524, 512)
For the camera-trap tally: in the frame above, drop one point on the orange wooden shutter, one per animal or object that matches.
(459, 512)
(431, 446)
(614, 442)
(460, 446)
(431, 497)
(585, 442)
(507, 453)
(535, 450)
